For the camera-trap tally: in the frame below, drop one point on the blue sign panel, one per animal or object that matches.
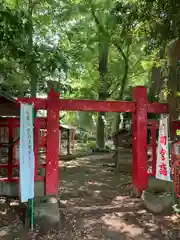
(26, 153)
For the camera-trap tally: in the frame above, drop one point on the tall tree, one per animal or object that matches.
(162, 26)
(103, 90)
(26, 40)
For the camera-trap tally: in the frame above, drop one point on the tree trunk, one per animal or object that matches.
(121, 92)
(100, 134)
(155, 81)
(156, 78)
(120, 97)
(31, 63)
(174, 78)
(103, 94)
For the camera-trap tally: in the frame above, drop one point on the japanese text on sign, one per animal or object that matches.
(26, 153)
(163, 152)
(162, 163)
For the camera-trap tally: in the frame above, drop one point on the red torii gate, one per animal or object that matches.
(139, 107)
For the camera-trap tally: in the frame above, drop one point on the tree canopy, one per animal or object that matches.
(88, 50)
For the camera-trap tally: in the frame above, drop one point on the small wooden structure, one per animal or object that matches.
(122, 139)
(8, 109)
(8, 106)
(9, 141)
(123, 150)
(67, 138)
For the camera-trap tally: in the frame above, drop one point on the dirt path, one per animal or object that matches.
(96, 203)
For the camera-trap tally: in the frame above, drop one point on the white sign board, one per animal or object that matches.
(26, 153)
(162, 164)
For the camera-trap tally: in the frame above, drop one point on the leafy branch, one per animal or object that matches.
(104, 31)
(118, 47)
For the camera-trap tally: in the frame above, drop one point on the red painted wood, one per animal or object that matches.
(134, 140)
(2, 125)
(177, 122)
(96, 106)
(140, 159)
(154, 145)
(36, 142)
(157, 107)
(40, 178)
(39, 103)
(4, 122)
(52, 154)
(6, 125)
(42, 142)
(16, 179)
(151, 122)
(83, 105)
(10, 152)
(43, 122)
(7, 165)
(175, 125)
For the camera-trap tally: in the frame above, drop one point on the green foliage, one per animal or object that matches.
(158, 20)
(26, 54)
(62, 41)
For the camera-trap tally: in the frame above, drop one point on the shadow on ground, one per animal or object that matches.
(95, 203)
(91, 180)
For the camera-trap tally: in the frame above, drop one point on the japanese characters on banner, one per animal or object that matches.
(26, 153)
(163, 171)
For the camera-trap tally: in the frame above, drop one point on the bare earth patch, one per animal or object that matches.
(96, 203)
